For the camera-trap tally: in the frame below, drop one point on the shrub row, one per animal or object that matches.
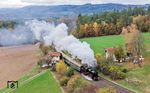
(115, 72)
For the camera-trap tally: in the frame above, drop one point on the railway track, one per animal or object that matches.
(105, 83)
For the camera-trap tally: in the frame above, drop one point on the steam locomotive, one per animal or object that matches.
(84, 69)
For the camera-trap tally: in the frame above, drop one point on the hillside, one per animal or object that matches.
(30, 12)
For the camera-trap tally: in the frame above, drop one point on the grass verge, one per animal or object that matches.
(44, 83)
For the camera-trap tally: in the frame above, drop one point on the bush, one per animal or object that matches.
(70, 72)
(44, 49)
(75, 82)
(124, 70)
(116, 73)
(90, 88)
(98, 57)
(119, 53)
(113, 69)
(104, 68)
(64, 80)
(41, 62)
(121, 75)
(106, 90)
(61, 67)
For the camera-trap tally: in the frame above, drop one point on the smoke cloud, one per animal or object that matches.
(20, 35)
(49, 34)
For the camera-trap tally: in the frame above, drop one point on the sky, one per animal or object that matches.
(21, 3)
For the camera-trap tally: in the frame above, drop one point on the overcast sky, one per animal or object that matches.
(21, 3)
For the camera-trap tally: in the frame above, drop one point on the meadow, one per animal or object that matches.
(141, 74)
(99, 44)
(44, 83)
(35, 82)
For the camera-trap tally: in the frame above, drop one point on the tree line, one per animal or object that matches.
(111, 23)
(7, 24)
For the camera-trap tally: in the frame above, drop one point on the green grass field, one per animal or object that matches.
(99, 44)
(45, 83)
(140, 74)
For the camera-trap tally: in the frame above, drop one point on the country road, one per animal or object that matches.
(16, 61)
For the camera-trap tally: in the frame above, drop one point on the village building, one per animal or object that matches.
(56, 56)
(110, 53)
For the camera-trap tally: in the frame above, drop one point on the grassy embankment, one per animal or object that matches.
(45, 83)
(37, 81)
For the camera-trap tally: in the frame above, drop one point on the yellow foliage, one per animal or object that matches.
(61, 67)
(102, 90)
(98, 57)
(86, 26)
(96, 28)
(106, 90)
(76, 82)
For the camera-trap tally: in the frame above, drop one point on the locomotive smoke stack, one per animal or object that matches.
(48, 33)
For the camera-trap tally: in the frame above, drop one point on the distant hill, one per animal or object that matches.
(30, 12)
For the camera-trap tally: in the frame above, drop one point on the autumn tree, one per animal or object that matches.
(98, 57)
(90, 31)
(76, 82)
(134, 40)
(61, 67)
(86, 26)
(96, 28)
(111, 23)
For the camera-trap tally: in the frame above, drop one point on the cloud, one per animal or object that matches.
(19, 3)
(87, 1)
(56, 2)
(127, 1)
(12, 3)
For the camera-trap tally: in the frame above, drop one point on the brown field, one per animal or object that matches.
(16, 61)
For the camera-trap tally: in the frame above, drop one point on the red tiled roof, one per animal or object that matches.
(54, 54)
(110, 50)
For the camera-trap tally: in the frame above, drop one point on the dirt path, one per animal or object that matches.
(105, 83)
(16, 61)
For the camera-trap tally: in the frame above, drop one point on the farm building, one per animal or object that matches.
(110, 52)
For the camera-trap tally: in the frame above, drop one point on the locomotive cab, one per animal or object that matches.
(89, 71)
(94, 74)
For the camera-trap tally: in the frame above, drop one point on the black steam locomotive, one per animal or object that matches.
(86, 70)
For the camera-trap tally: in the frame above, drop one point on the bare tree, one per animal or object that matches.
(134, 40)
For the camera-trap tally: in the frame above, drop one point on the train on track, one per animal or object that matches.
(84, 69)
(53, 58)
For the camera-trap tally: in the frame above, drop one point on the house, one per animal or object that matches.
(110, 52)
(56, 56)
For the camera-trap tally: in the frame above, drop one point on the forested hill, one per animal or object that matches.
(113, 23)
(29, 12)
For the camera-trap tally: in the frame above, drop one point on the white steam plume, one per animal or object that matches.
(20, 35)
(49, 34)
